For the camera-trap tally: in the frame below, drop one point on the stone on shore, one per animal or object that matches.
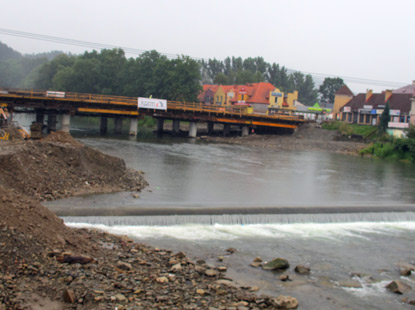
(69, 296)
(276, 264)
(398, 287)
(303, 270)
(285, 302)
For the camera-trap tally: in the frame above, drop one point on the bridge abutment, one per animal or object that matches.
(176, 126)
(66, 122)
(40, 117)
(133, 127)
(103, 127)
(118, 126)
(192, 129)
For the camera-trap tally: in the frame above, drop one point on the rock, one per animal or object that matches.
(300, 269)
(276, 264)
(256, 265)
(222, 268)
(225, 282)
(70, 259)
(124, 265)
(176, 267)
(220, 258)
(405, 272)
(285, 302)
(398, 287)
(231, 250)
(200, 291)
(284, 277)
(120, 298)
(210, 272)
(69, 296)
(135, 195)
(257, 260)
(162, 280)
(254, 289)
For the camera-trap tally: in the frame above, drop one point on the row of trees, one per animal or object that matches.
(110, 72)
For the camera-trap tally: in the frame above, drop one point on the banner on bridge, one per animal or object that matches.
(152, 103)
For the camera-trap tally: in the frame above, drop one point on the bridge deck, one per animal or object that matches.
(119, 106)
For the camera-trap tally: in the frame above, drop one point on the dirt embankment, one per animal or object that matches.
(46, 265)
(59, 166)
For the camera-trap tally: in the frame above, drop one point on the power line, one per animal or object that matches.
(138, 52)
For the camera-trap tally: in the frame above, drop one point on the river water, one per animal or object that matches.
(335, 213)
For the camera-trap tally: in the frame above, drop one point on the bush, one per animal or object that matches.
(345, 129)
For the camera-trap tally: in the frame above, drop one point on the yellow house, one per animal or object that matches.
(342, 96)
(220, 96)
(280, 100)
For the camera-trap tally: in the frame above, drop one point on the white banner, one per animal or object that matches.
(152, 103)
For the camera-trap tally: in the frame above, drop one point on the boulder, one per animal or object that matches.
(398, 287)
(284, 277)
(285, 302)
(276, 264)
(300, 269)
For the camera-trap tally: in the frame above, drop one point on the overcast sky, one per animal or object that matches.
(370, 39)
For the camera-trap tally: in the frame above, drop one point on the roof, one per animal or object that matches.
(400, 102)
(408, 89)
(261, 93)
(345, 91)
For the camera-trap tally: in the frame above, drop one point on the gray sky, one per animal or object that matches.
(348, 38)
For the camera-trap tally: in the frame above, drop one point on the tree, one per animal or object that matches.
(384, 119)
(307, 94)
(329, 88)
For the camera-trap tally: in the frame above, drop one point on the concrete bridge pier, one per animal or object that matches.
(160, 125)
(40, 117)
(118, 126)
(133, 127)
(103, 126)
(226, 129)
(210, 128)
(51, 122)
(176, 127)
(66, 122)
(192, 129)
(244, 131)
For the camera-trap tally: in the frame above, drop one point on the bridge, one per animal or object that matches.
(65, 104)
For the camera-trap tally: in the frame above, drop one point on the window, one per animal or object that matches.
(349, 117)
(361, 118)
(367, 119)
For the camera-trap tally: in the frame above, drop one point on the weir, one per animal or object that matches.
(240, 219)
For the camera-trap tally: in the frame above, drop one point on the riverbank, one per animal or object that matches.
(308, 137)
(46, 265)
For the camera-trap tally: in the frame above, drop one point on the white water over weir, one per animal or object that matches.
(243, 219)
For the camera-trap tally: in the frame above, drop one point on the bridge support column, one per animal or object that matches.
(192, 129)
(103, 125)
(245, 131)
(51, 122)
(118, 126)
(160, 125)
(226, 129)
(133, 127)
(66, 122)
(210, 128)
(40, 117)
(176, 127)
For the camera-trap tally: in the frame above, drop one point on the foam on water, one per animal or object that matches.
(136, 227)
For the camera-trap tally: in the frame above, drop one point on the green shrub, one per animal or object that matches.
(345, 129)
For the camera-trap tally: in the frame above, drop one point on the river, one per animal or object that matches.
(330, 212)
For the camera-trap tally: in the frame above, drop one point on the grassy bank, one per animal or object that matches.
(363, 131)
(393, 149)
